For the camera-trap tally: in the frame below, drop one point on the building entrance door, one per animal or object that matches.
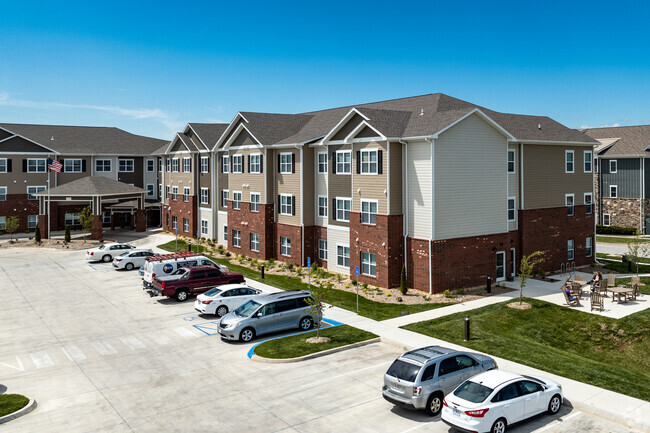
(501, 265)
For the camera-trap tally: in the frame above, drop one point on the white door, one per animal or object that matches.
(501, 265)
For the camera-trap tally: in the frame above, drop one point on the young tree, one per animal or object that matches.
(526, 268)
(37, 235)
(86, 219)
(12, 225)
(317, 305)
(403, 282)
(66, 236)
(637, 249)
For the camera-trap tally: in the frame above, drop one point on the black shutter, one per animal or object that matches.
(261, 163)
(334, 209)
(279, 204)
(293, 205)
(278, 163)
(293, 163)
(221, 164)
(9, 165)
(24, 166)
(380, 168)
(333, 162)
(249, 163)
(83, 165)
(358, 161)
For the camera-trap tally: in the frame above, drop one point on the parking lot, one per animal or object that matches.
(98, 354)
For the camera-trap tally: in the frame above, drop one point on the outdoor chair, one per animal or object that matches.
(602, 288)
(577, 277)
(611, 280)
(576, 288)
(634, 293)
(635, 280)
(596, 301)
(572, 301)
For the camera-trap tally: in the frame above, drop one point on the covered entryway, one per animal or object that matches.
(124, 214)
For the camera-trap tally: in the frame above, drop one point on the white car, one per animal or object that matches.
(491, 401)
(106, 252)
(222, 299)
(132, 259)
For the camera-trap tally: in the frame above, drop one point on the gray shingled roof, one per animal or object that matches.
(630, 140)
(272, 128)
(87, 139)
(93, 185)
(209, 133)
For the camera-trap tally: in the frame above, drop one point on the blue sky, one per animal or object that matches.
(151, 67)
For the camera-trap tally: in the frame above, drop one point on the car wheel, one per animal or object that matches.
(129, 266)
(555, 404)
(181, 295)
(247, 335)
(107, 258)
(499, 426)
(306, 323)
(434, 404)
(222, 311)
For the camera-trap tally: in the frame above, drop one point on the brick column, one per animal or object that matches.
(97, 232)
(140, 221)
(42, 224)
(112, 221)
(132, 221)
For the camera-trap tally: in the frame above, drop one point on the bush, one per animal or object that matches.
(66, 237)
(447, 294)
(615, 230)
(37, 234)
(399, 299)
(403, 282)
(541, 273)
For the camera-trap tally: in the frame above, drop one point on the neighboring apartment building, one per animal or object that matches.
(83, 151)
(623, 176)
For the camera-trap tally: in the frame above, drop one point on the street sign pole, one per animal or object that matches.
(356, 269)
(309, 273)
(176, 231)
(197, 241)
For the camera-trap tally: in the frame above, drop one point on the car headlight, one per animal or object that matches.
(232, 325)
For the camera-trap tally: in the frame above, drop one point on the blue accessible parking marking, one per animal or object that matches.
(209, 328)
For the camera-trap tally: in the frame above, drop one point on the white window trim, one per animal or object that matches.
(37, 171)
(258, 242)
(591, 202)
(175, 163)
(369, 264)
(368, 151)
(5, 164)
(103, 163)
(610, 191)
(186, 193)
(190, 164)
(225, 164)
(573, 205)
(206, 160)
(588, 156)
(72, 163)
(318, 155)
(609, 219)
(188, 224)
(589, 250)
(318, 215)
(283, 247)
(573, 249)
(43, 188)
(258, 202)
(320, 249)
(290, 155)
(349, 152)
(31, 225)
(204, 232)
(3, 191)
(234, 202)
(259, 164)
(365, 200)
(514, 161)
(566, 161)
(174, 193)
(152, 192)
(241, 164)
(236, 240)
(126, 163)
(339, 207)
(227, 193)
(337, 254)
(153, 165)
(290, 205)
(207, 195)
(615, 161)
(514, 199)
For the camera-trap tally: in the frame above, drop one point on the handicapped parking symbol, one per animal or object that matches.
(189, 319)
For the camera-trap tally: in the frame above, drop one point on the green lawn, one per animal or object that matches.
(608, 239)
(10, 403)
(604, 352)
(295, 345)
(338, 298)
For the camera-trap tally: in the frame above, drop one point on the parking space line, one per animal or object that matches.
(160, 339)
(73, 353)
(104, 348)
(41, 359)
(185, 333)
(19, 365)
(133, 343)
(559, 421)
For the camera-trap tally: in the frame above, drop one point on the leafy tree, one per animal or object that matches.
(637, 249)
(66, 236)
(37, 234)
(526, 268)
(86, 219)
(317, 305)
(403, 282)
(12, 225)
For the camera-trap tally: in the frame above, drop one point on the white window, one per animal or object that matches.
(72, 166)
(368, 162)
(343, 256)
(174, 192)
(255, 201)
(31, 190)
(286, 163)
(255, 242)
(151, 165)
(343, 207)
(588, 160)
(175, 165)
(3, 165)
(343, 162)
(255, 163)
(322, 162)
(106, 217)
(224, 198)
(236, 238)
(368, 212)
(186, 193)
(613, 166)
(186, 224)
(236, 200)
(606, 220)
(103, 165)
(369, 264)
(174, 222)
(126, 165)
(570, 249)
(286, 204)
(225, 164)
(588, 247)
(322, 206)
(512, 214)
(151, 190)
(167, 195)
(322, 249)
(285, 246)
(32, 221)
(72, 219)
(36, 165)
(588, 203)
(205, 164)
(569, 202)
(205, 196)
(237, 163)
(568, 161)
(204, 227)
(511, 161)
(225, 233)
(613, 191)
(168, 164)
(187, 165)
(3, 223)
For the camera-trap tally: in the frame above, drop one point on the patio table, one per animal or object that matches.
(617, 292)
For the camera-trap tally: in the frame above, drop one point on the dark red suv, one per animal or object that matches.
(194, 279)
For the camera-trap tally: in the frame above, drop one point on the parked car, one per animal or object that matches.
(192, 280)
(222, 299)
(106, 252)
(420, 379)
(166, 264)
(132, 258)
(494, 400)
(268, 313)
(141, 271)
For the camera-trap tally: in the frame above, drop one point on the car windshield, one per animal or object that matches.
(473, 392)
(213, 292)
(101, 247)
(247, 309)
(404, 370)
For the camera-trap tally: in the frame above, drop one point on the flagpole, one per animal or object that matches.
(49, 187)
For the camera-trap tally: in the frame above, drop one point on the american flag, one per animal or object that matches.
(54, 165)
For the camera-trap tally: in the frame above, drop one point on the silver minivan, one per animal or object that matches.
(268, 313)
(421, 378)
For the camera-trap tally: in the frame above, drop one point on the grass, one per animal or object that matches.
(643, 289)
(10, 403)
(339, 298)
(608, 239)
(295, 345)
(600, 351)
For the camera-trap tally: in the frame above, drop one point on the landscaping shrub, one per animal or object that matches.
(37, 234)
(615, 230)
(66, 236)
(403, 282)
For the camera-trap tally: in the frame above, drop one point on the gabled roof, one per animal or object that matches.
(272, 128)
(86, 139)
(93, 186)
(208, 133)
(621, 140)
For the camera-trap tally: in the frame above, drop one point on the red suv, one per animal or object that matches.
(194, 279)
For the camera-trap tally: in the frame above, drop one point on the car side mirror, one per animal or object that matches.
(258, 315)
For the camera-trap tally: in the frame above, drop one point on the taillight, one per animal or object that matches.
(153, 275)
(444, 402)
(477, 413)
(207, 302)
(92, 253)
(118, 260)
(163, 284)
(417, 390)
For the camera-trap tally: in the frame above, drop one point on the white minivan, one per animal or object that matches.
(166, 264)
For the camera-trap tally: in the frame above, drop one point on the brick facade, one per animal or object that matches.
(252, 222)
(181, 209)
(293, 233)
(319, 233)
(19, 205)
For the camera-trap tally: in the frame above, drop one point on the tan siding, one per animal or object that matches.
(67, 177)
(17, 181)
(289, 184)
(232, 131)
(371, 186)
(320, 185)
(366, 132)
(348, 127)
(254, 181)
(334, 237)
(308, 185)
(339, 185)
(395, 178)
(243, 139)
(222, 183)
(545, 181)
(418, 169)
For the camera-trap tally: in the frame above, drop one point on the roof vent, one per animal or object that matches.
(539, 126)
(52, 138)
(421, 111)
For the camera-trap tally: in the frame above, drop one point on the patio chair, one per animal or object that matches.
(577, 277)
(596, 301)
(634, 293)
(635, 280)
(571, 300)
(601, 289)
(611, 280)
(576, 288)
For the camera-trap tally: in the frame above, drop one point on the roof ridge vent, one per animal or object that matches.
(421, 111)
(539, 126)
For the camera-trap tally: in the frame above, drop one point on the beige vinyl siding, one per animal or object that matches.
(289, 184)
(179, 146)
(470, 180)
(64, 177)
(367, 132)
(370, 186)
(339, 185)
(418, 202)
(181, 180)
(17, 181)
(395, 178)
(513, 185)
(546, 183)
(308, 185)
(320, 186)
(255, 181)
(243, 139)
(222, 217)
(337, 236)
(222, 181)
(206, 214)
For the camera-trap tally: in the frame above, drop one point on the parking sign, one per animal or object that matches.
(356, 269)
(308, 262)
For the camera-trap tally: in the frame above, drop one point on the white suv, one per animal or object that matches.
(132, 259)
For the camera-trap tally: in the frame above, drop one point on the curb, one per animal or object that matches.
(30, 406)
(636, 424)
(315, 355)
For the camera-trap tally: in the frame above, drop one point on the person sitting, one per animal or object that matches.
(570, 295)
(596, 281)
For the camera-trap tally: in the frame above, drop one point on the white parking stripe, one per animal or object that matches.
(73, 353)
(561, 420)
(104, 348)
(185, 333)
(41, 359)
(160, 339)
(133, 343)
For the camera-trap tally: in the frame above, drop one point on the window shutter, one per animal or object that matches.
(278, 163)
(83, 165)
(221, 163)
(24, 166)
(380, 168)
(334, 209)
(293, 163)
(333, 162)
(249, 163)
(358, 162)
(9, 165)
(293, 205)
(261, 163)
(279, 203)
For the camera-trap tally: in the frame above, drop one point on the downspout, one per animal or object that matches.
(433, 212)
(302, 207)
(405, 200)
(640, 195)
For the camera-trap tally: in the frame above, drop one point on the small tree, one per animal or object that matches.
(86, 219)
(12, 225)
(317, 305)
(637, 249)
(403, 282)
(66, 236)
(526, 268)
(37, 234)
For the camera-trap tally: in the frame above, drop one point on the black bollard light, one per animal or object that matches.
(489, 284)
(262, 270)
(466, 328)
